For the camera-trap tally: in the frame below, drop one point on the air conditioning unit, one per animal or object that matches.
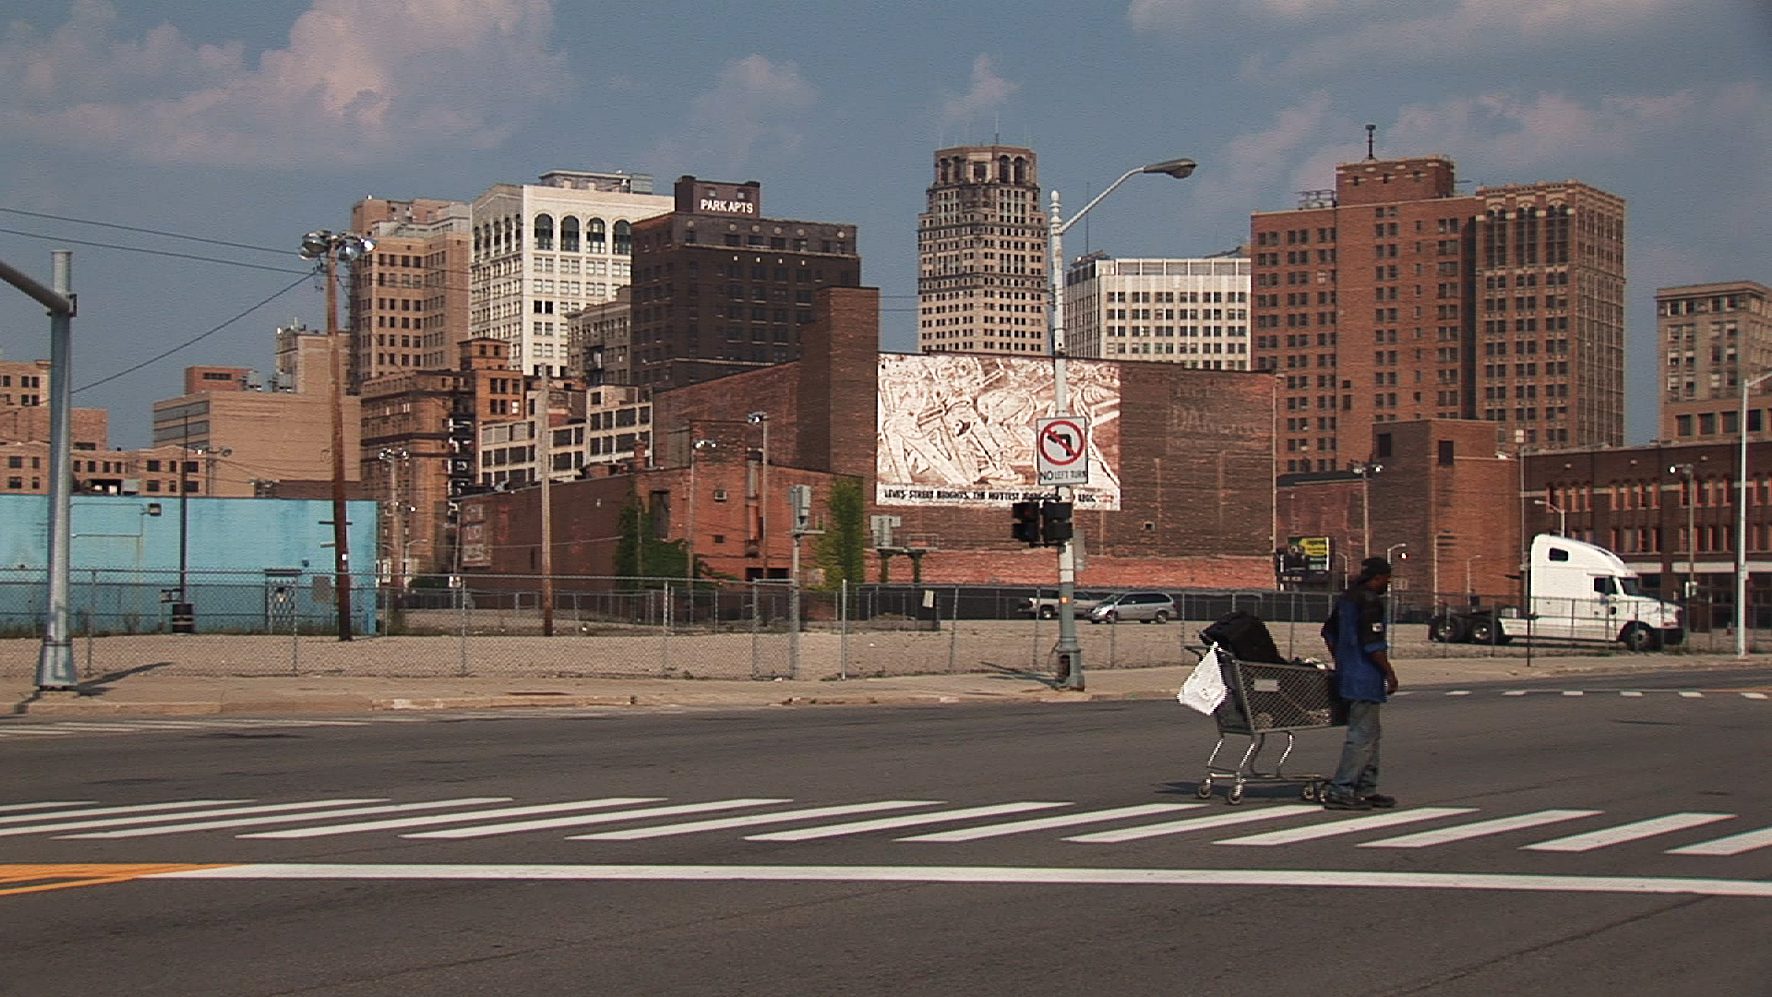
(719, 494)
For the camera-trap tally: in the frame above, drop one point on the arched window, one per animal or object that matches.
(544, 231)
(1002, 169)
(1021, 169)
(510, 239)
(569, 234)
(594, 236)
(479, 239)
(624, 239)
(942, 167)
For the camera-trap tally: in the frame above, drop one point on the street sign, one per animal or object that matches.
(1061, 448)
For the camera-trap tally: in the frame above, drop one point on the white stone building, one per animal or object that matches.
(1193, 312)
(542, 251)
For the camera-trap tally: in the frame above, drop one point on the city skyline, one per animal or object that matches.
(252, 126)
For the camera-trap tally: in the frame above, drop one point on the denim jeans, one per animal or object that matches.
(1357, 775)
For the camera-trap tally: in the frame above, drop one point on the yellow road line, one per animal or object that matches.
(16, 879)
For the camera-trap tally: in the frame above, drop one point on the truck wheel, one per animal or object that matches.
(1482, 631)
(1047, 612)
(1638, 637)
(1162, 616)
(1446, 629)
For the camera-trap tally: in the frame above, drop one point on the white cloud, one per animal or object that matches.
(754, 102)
(359, 82)
(1543, 131)
(1252, 162)
(988, 92)
(1168, 14)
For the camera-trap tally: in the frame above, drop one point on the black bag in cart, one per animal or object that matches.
(1244, 637)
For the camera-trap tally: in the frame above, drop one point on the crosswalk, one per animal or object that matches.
(775, 819)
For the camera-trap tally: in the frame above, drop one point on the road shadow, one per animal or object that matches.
(93, 687)
(1022, 674)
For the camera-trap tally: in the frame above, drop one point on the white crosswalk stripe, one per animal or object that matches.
(579, 820)
(11, 807)
(1479, 829)
(1189, 824)
(1045, 823)
(889, 823)
(1350, 825)
(107, 811)
(1634, 831)
(81, 825)
(216, 825)
(751, 820)
(395, 823)
(1734, 844)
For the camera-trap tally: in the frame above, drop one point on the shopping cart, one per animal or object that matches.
(1265, 698)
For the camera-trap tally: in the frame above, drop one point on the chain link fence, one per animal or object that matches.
(285, 624)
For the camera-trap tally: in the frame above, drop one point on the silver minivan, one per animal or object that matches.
(1145, 607)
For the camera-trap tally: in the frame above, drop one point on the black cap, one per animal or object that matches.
(1373, 567)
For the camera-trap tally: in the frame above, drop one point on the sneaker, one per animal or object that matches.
(1346, 803)
(1379, 800)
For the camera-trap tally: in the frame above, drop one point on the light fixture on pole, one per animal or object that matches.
(1690, 493)
(1069, 652)
(392, 457)
(762, 419)
(695, 447)
(1562, 515)
(1741, 614)
(329, 248)
(1390, 554)
(1366, 469)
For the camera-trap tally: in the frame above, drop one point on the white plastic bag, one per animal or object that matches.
(1204, 689)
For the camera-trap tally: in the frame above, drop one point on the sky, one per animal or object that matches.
(248, 124)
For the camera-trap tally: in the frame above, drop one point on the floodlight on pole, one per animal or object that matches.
(1068, 651)
(329, 247)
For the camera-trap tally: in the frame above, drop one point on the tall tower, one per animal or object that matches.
(981, 253)
(409, 297)
(1395, 298)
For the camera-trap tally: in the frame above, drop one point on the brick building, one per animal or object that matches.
(718, 287)
(1709, 335)
(1396, 298)
(1194, 467)
(408, 301)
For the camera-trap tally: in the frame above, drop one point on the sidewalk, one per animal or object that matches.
(164, 691)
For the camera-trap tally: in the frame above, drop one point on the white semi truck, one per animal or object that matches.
(1575, 591)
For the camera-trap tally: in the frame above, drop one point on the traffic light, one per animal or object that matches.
(1027, 523)
(1055, 523)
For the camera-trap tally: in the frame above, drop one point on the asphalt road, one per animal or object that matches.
(1547, 843)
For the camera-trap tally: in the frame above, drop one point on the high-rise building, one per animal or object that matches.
(981, 253)
(1191, 312)
(718, 287)
(600, 340)
(409, 296)
(542, 251)
(1710, 335)
(1395, 298)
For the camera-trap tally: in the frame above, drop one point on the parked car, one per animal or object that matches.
(1046, 607)
(1145, 607)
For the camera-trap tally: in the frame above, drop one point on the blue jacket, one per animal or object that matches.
(1357, 631)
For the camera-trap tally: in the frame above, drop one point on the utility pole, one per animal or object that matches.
(544, 458)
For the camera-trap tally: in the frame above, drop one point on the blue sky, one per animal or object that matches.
(250, 123)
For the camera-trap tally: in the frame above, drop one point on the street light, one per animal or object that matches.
(329, 248)
(392, 457)
(1690, 497)
(689, 530)
(762, 419)
(1389, 555)
(1562, 515)
(1366, 469)
(1070, 653)
(1741, 522)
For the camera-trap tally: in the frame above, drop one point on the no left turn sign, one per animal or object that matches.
(1061, 448)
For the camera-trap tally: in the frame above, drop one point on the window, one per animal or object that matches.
(594, 236)
(569, 235)
(544, 231)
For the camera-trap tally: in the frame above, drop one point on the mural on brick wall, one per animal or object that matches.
(958, 429)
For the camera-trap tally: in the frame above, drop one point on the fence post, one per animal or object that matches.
(794, 620)
(461, 624)
(954, 630)
(664, 641)
(91, 617)
(295, 625)
(1034, 662)
(755, 636)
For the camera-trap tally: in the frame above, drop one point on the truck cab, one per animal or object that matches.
(1576, 591)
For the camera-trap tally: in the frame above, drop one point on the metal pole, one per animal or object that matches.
(184, 512)
(794, 610)
(1741, 614)
(843, 631)
(544, 455)
(55, 659)
(341, 528)
(1070, 653)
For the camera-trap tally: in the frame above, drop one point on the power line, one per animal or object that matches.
(196, 339)
(149, 252)
(144, 231)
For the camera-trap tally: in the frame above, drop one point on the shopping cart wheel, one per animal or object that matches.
(1309, 792)
(1204, 789)
(1235, 796)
